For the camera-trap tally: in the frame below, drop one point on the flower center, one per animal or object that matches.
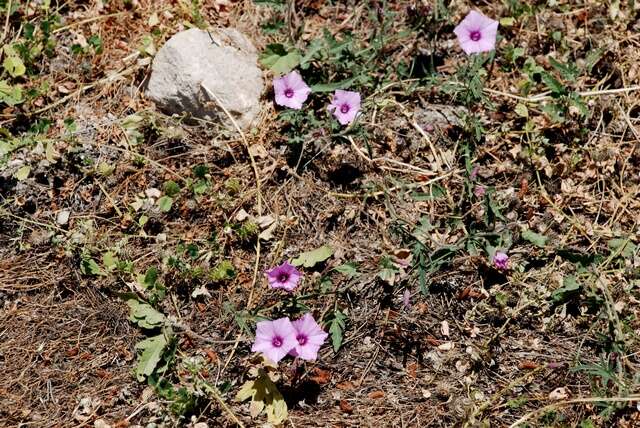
(344, 108)
(283, 277)
(302, 339)
(276, 341)
(288, 93)
(475, 35)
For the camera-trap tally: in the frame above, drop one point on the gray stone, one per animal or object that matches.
(224, 61)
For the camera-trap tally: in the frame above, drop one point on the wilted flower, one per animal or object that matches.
(290, 90)
(406, 299)
(309, 337)
(501, 260)
(284, 276)
(345, 106)
(477, 33)
(479, 190)
(275, 338)
(474, 172)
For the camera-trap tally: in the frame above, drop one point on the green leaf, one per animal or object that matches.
(311, 258)
(388, 275)
(22, 173)
(10, 95)
(264, 396)
(553, 84)
(14, 66)
(435, 192)
(522, 110)
(623, 247)
(348, 269)
(88, 266)
(330, 87)
(171, 188)
(152, 350)
(570, 287)
(278, 59)
(535, 238)
(336, 329)
(164, 203)
(144, 315)
(568, 71)
(109, 260)
(222, 272)
(150, 277)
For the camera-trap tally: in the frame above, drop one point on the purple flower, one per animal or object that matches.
(345, 106)
(501, 260)
(477, 33)
(479, 191)
(284, 276)
(309, 337)
(274, 338)
(290, 90)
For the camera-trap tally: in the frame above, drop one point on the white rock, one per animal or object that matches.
(63, 217)
(225, 62)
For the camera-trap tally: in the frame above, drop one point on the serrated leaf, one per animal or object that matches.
(278, 59)
(553, 84)
(535, 238)
(14, 66)
(145, 315)
(152, 350)
(568, 71)
(311, 258)
(264, 396)
(336, 329)
(164, 203)
(348, 269)
(22, 173)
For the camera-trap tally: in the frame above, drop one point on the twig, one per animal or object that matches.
(387, 160)
(545, 95)
(182, 328)
(111, 201)
(574, 401)
(147, 159)
(82, 89)
(6, 23)
(86, 21)
(214, 392)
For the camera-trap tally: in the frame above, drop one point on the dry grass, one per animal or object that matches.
(482, 347)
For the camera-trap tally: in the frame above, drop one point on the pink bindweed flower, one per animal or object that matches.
(345, 106)
(275, 338)
(290, 90)
(309, 338)
(285, 276)
(477, 33)
(501, 260)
